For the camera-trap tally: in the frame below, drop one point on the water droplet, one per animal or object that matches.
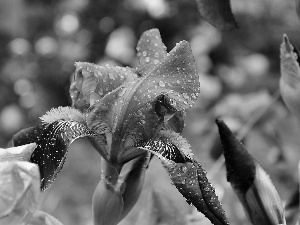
(206, 189)
(121, 92)
(183, 181)
(147, 59)
(156, 61)
(161, 83)
(144, 53)
(184, 169)
(178, 81)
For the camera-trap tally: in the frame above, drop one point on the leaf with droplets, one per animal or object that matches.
(53, 140)
(218, 13)
(190, 179)
(131, 108)
(92, 82)
(150, 51)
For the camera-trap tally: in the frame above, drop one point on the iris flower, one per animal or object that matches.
(128, 113)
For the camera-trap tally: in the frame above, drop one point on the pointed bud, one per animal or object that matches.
(290, 76)
(251, 183)
(107, 199)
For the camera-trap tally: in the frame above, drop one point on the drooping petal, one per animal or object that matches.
(217, 13)
(92, 82)
(131, 108)
(290, 76)
(251, 183)
(52, 143)
(150, 51)
(190, 179)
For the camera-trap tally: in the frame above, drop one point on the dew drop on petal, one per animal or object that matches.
(156, 61)
(147, 59)
(161, 83)
(144, 53)
(184, 169)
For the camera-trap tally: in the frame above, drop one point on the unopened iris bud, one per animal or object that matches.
(107, 199)
(251, 183)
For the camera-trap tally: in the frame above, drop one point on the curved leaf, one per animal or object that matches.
(290, 76)
(92, 82)
(150, 51)
(218, 13)
(130, 109)
(52, 141)
(191, 181)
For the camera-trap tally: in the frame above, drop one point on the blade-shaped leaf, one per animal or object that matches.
(92, 82)
(52, 141)
(290, 76)
(190, 179)
(132, 106)
(218, 13)
(150, 51)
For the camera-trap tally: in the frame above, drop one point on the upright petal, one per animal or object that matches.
(132, 106)
(92, 82)
(150, 51)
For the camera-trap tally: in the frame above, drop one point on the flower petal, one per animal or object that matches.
(150, 51)
(191, 181)
(20, 153)
(92, 82)
(130, 109)
(20, 190)
(52, 141)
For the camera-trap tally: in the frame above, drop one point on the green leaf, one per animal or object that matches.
(218, 13)
(92, 82)
(150, 51)
(129, 111)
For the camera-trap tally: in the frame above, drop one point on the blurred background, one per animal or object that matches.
(239, 71)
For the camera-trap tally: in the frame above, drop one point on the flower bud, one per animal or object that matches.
(107, 199)
(251, 183)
